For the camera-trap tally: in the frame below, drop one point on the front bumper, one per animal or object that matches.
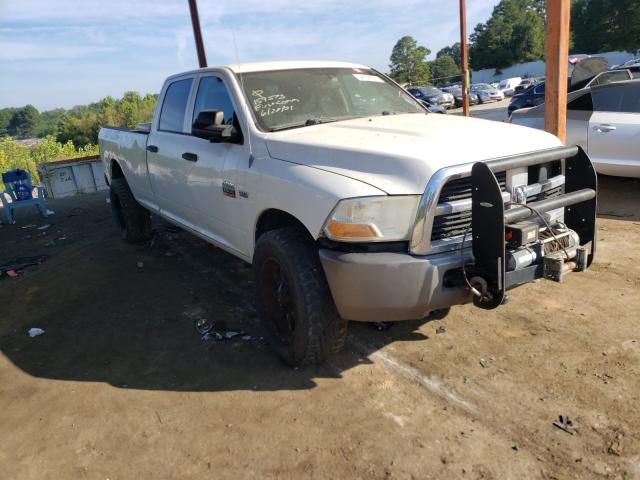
(403, 286)
(372, 287)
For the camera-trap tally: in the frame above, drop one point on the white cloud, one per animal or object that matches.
(11, 51)
(139, 41)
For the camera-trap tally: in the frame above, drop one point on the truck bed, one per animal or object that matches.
(127, 147)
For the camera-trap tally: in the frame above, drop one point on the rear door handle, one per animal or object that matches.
(152, 148)
(190, 157)
(604, 127)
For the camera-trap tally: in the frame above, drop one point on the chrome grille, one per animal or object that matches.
(553, 192)
(454, 224)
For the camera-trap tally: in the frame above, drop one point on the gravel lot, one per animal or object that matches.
(120, 385)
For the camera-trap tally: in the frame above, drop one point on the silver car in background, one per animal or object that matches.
(604, 120)
(433, 95)
(486, 93)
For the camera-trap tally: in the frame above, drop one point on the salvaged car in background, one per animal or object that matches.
(456, 91)
(433, 95)
(487, 93)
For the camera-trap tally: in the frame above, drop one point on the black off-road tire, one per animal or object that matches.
(318, 330)
(133, 220)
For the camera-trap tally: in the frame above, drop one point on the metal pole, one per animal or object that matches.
(195, 21)
(464, 59)
(555, 97)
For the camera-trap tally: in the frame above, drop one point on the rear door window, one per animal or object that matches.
(583, 102)
(607, 99)
(174, 106)
(631, 98)
(213, 95)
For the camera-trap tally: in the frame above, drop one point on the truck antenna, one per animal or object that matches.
(244, 92)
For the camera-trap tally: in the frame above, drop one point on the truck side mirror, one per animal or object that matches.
(209, 125)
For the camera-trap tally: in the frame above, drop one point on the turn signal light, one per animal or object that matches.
(352, 230)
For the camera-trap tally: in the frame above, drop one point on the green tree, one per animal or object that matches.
(515, 33)
(5, 118)
(444, 71)
(408, 62)
(24, 122)
(81, 123)
(605, 25)
(452, 51)
(50, 121)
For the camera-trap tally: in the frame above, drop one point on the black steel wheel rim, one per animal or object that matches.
(277, 300)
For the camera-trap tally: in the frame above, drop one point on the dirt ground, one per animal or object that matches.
(121, 385)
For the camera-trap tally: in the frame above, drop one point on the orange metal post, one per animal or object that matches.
(557, 68)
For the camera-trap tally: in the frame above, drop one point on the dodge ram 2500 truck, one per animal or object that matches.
(351, 201)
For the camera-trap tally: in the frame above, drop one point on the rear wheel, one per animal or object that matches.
(133, 220)
(294, 301)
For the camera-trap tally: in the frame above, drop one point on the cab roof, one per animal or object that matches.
(281, 65)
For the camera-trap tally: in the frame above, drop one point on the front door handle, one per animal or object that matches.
(190, 157)
(152, 148)
(604, 127)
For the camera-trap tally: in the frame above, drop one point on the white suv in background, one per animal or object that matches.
(605, 121)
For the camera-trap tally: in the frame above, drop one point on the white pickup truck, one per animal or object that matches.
(351, 201)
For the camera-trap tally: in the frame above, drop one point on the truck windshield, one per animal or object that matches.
(285, 99)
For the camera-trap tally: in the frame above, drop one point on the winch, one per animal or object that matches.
(515, 243)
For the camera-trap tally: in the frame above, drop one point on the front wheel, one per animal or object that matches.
(294, 301)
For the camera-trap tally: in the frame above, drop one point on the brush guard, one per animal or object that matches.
(488, 274)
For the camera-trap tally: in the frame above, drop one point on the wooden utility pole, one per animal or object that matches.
(464, 59)
(557, 68)
(195, 21)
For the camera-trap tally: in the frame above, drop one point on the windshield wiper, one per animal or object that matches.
(307, 123)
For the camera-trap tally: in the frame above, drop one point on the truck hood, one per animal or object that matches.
(398, 154)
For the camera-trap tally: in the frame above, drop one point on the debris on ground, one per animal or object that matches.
(108, 200)
(50, 212)
(382, 326)
(564, 423)
(615, 447)
(21, 263)
(31, 225)
(441, 329)
(140, 264)
(484, 363)
(44, 227)
(34, 332)
(216, 331)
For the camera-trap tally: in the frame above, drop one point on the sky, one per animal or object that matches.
(61, 53)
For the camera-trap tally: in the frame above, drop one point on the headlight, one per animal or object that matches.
(372, 219)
